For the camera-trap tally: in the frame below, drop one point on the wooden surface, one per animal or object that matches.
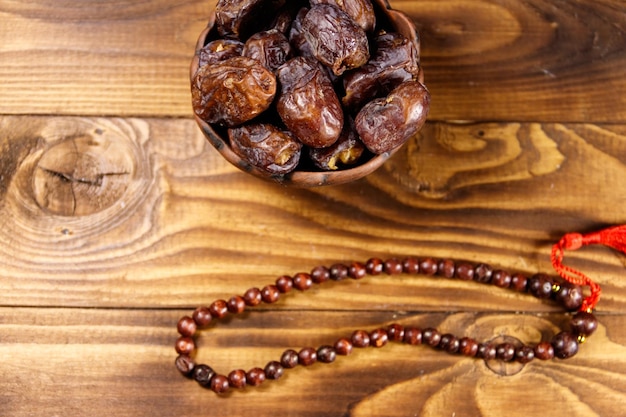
(117, 218)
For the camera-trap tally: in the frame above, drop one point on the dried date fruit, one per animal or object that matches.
(240, 18)
(335, 39)
(296, 37)
(346, 151)
(219, 50)
(271, 48)
(395, 60)
(308, 104)
(386, 123)
(267, 147)
(361, 11)
(233, 91)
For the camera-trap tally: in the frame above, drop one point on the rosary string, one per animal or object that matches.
(565, 290)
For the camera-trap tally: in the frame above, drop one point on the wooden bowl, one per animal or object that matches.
(301, 178)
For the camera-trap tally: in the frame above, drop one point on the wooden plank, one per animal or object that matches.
(485, 60)
(144, 213)
(88, 361)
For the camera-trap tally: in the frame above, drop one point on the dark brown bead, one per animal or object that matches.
(253, 297)
(395, 332)
(219, 384)
(186, 326)
(431, 337)
(505, 352)
(185, 345)
(501, 278)
(203, 374)
(343, 347)
(411, 265)
(185, 364)
(428, 266)
(483, 273)
(524, 354)
(338, 272)
(374, 266)
(289, 359)
(540, 286)
(237, 378)
(255, 377)
(446, 268)
(486, 351)
(274, 370)
(360, 339)
(302, 281)
(449, 343)
(284, 284)
(464, 271)
(326, 354)
(570, 296)
(320, 274)
(202, 316)
(468, 347)
(412, 336)
(565, 345)
(236, 304)
(519, 282)
(544, 351)
(378, 338)
(584, 323)
(357, 270)
(392, 266)
(270, 294)
(218, 309)
(307, 356)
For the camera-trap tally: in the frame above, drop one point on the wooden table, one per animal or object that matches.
(117, 218)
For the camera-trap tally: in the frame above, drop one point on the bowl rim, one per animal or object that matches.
(296, 177)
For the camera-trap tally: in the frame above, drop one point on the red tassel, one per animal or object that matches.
(614, 237)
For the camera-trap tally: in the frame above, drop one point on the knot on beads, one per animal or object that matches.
(571, 241)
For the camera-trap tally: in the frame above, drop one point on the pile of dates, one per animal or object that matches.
(323, 84)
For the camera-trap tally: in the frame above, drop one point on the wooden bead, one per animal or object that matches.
(544, 351)
(236, 304)
(185, 345)
(565, 345)
(540, 286)
(186, 326)
(185, 364)
(360, 339)
(428, 266)
(468, 347)
(203, 375)
(483, 273)
(378, 338)
(395, 332)
(412, 336)
(274, 370)
(307, 356)
(284, 284)
(392, 266)
(524, 354)
(431, 337)
(584, 323)
(289, 359)
(320, 274)
(357, 270)
(338, 272)
(253, 297)
(486, 351)
(218, 309)
(202, 316)
(374, 266)
(219, 384)
(519, 282)
(570, 296)
(237, 379)
(411, 265)
(501, 278)
(446, 268)
(302, 281)
(449, 343)
(505, 352)
(326, 354)
(270, 294)
(343, 347)
(464, 271)
(255, 377)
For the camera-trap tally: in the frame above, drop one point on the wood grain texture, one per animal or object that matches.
(178, 221)
(103, 360)
(117, 218)
(485, 60)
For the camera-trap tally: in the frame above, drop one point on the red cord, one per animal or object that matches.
(614, 237)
